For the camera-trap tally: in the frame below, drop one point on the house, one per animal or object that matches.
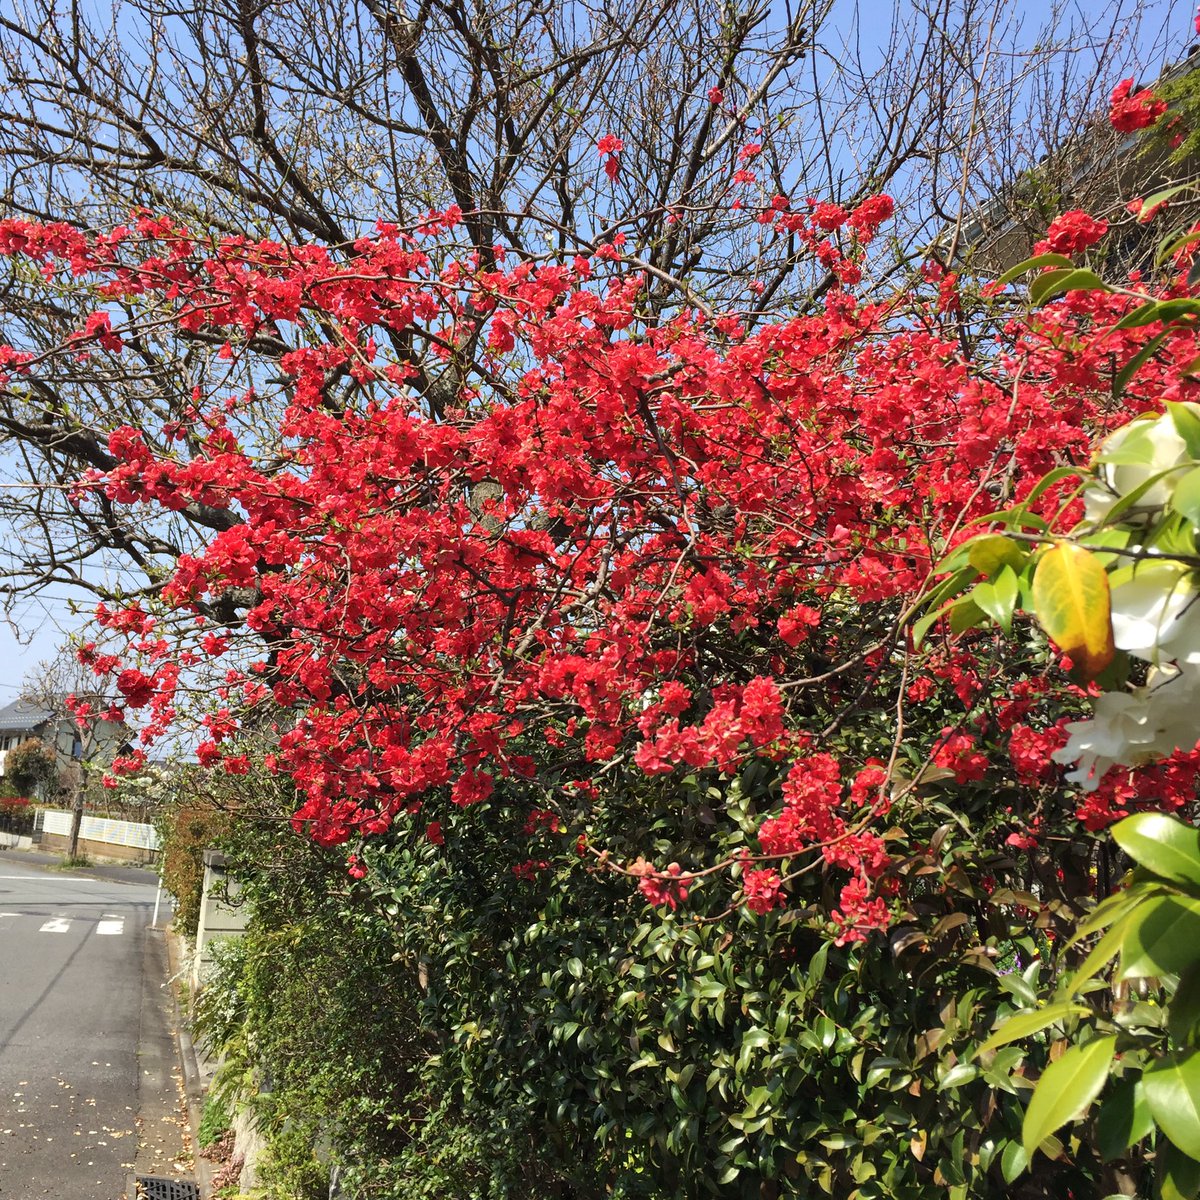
(25, 719)
(1097, 169)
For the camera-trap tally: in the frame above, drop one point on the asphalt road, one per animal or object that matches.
(72, 960)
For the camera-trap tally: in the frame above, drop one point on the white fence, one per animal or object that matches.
(102, 829)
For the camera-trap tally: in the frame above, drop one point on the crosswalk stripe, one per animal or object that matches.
(111, 925)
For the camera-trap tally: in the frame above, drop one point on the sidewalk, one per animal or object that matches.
(197, 1073)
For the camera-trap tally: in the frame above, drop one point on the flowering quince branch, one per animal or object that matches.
(615, 551)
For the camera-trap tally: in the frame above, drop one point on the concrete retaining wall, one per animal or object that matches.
(220, 914)
(56, 843)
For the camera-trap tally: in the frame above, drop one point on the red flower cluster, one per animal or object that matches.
(1073, 232)
(761, 889)
(622, 553)
(667, 888)
(610, 147)
(1130, 111)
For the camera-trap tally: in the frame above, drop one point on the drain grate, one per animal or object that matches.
(158, 1187)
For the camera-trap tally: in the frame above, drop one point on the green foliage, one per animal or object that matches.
(290, 1170)
(447, 1028)
(185, 832)
(1136, 1042)
(214, 1121)
(30, 766)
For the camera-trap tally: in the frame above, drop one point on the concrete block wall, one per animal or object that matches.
(220, 914)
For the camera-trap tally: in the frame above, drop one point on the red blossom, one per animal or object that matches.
(1130, 110)
(1074, 231)
(760, 887)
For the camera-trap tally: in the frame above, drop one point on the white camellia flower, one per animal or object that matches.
(1135, 727)
(1162, 450)
(1156, 614)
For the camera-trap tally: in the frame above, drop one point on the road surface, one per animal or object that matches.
(73, 955)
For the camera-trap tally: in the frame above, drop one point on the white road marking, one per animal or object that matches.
(56, 925)
(111, 927)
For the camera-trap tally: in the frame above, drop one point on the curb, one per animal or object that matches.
(193, 1080)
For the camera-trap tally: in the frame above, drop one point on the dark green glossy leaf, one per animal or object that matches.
(1124, 1118)
(1183, 1012)
(1178, 1176)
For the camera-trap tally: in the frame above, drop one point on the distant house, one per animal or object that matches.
(25, 719)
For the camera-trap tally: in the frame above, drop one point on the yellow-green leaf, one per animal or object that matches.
(1066, 1090)
(1025, 1024)
(1071, 600)
(1172, 1090)
(993, 551)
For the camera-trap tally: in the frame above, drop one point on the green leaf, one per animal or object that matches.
(1116, 906)
(1124, 1119)
(1056, 283)
(1144, 314)
(1115, 676)
(1071, 600)
(1161, 843)
(991, 552)
(951, 585)
(958, 1074)
(1163, 938)
(998, 598)
(1013, 1161)
(922, 626)
(1066, 1090)
(987, 554)
(1019, 988)
(1183, 1012)
(1185, 500)
(965, 614)
(1178, 1175)
(1047, 481)
(1163, 196)
(1030, 264)
(1172, 310)
(1172, 245)
(1025, 1024)
(1172, 1090)
(1186, 420)
(1105, 949)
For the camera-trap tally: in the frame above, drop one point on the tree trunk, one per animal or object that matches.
(76, 822)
